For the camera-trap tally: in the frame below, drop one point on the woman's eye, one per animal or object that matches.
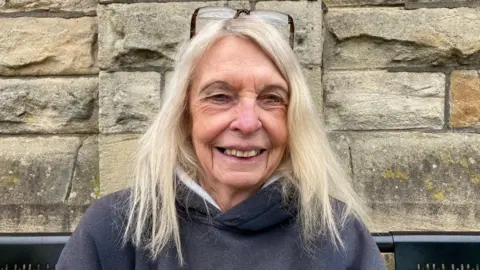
(272, 100)
(220, 98)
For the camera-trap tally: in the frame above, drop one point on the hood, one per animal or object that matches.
(264, 209)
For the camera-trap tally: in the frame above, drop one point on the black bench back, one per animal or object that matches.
(437, 251)
(432, 250)
(413, 250)
(31, 251)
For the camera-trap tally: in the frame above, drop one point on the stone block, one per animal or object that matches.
(48, 46)
(128, 101)
(352, 3)
(144, 34)
(85, 185)
(465, 99)
(117, 153)
(313, 75)
(340, 143)
(87, 6)
(308, 18)
(414, 4)
(418, 181)
(391, 37)
(389, 260)
(382, 100)
(40, 218)
(45, 170)
(231, 3)
(48, 105)
(409, 4)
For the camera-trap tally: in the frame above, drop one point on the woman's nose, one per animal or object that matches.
(246, 120)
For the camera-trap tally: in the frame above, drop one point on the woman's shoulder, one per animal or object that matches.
(108, 211)
(97, 240)
(340, 209)
(350, 225)
(360, 249)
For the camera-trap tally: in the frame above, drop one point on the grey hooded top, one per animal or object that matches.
(258, 233)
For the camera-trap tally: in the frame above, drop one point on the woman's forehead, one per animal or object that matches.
(235, 58)
(235, 50)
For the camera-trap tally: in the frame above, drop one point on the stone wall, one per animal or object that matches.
(80, 81)
(48, 113)
(402, 92)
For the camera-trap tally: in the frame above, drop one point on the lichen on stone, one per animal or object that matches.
(96, 187)
(476, 179)
(8, 181)
(396, 175)
(440, 196)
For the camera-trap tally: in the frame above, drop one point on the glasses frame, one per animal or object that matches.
(193, 22)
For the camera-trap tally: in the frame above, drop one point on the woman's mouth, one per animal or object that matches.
(240, 153)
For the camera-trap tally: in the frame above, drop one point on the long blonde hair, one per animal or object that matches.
(310, 166)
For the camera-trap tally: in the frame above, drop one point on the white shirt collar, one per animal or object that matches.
(190, 183)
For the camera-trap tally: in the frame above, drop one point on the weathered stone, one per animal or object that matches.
(465, 99)
(85, 185)
(144, 34)
(418, 181)
(48, 105)
(313, 75)
(389, 260)
(245, 4)
(341, 3)
(374, 37)
(40, 170)
(116, 161)
(382, 100)
(409, 4)
(413, 4)
(40, 218)
(88, 6)
(308, 18)
(128, 100)
(340, 144)
(42, 46)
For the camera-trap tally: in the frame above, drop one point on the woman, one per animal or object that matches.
(234, 173)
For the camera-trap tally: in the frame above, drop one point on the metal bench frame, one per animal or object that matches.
(412, 250)
(432, 250)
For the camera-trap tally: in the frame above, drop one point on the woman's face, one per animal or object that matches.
(238, 106)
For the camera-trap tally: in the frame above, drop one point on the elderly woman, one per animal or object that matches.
(235, 171)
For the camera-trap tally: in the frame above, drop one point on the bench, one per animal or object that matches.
(412, 250)
(31, 251)
(432, 250)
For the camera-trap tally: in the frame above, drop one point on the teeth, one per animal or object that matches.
(238, 153)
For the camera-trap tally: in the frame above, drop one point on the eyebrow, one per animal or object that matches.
(217, 83)
(272, 87)
(227, 86)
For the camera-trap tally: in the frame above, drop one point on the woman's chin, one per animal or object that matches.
(242, 180)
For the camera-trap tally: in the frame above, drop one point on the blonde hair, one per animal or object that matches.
(310, 167)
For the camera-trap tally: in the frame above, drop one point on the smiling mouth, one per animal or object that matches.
(239, 153)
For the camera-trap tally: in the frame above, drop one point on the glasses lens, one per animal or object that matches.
(209, 14)
(277, 19)
(215, 13)
(271, 17)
